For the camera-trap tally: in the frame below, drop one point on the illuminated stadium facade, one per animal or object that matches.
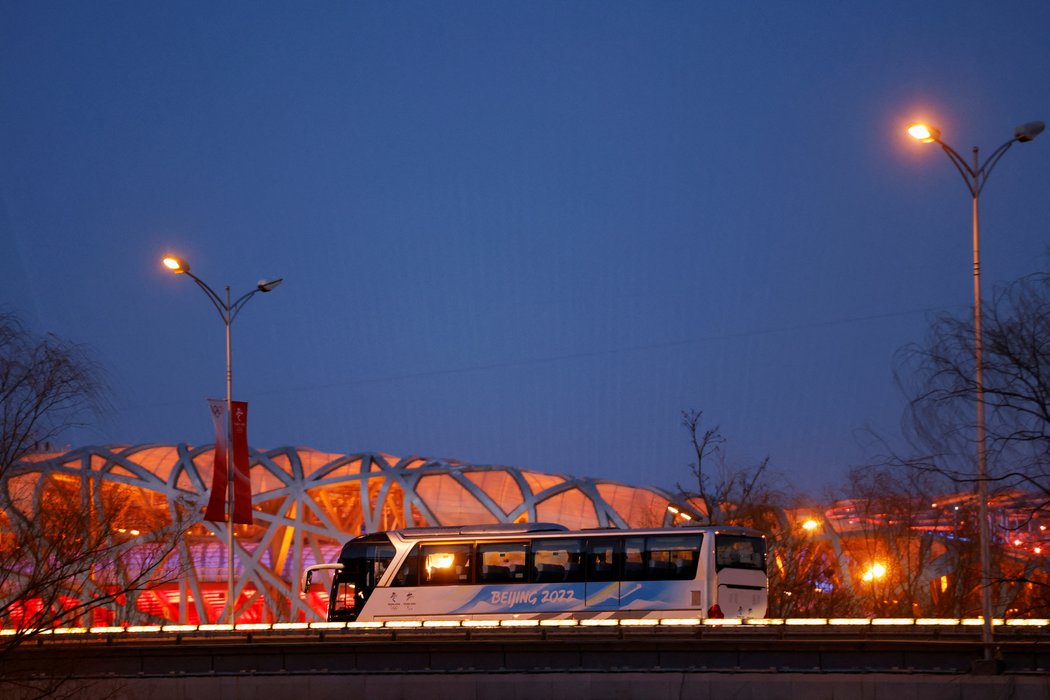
(151, 498)
(306, 504)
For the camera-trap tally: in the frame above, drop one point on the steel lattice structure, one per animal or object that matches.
(306, 504)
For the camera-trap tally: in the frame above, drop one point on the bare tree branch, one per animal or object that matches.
(73, 546)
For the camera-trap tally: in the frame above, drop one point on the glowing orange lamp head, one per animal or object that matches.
(924, 132)
(176, 265)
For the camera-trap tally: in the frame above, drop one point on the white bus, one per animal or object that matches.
(542, 570)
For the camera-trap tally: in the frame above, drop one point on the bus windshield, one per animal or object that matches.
(364, 560)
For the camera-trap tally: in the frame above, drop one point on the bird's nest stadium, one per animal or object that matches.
(305, 504)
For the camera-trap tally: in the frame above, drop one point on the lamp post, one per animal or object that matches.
(976, 176)
(227, 312)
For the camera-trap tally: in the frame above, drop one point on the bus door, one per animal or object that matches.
(364, 560)
(740, 566)
(603, 573)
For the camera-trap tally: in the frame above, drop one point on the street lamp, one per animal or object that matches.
(976, 176)
(874, 572)
(227, 312)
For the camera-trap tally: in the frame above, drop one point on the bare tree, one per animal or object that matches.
(729, 494)
(907, 555)
(940, 377)
(79, 551)
(803, 572)
(47, 386)
(74, 548)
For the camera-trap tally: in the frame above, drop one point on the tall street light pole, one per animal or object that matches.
(227, 311)
(976, 176)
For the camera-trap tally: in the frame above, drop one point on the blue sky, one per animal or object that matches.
(514, 233)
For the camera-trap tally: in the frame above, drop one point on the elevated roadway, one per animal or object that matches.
(673, 660)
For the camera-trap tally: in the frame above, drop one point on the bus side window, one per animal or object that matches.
(634, 559)
(672, 557)
(502, 562)
(602, 558)
(556, 561)
(463, 568)
(444, 564)
(408, 574)
(377, 559)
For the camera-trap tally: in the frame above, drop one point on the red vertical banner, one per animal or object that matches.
(216, 510)
(242, 481)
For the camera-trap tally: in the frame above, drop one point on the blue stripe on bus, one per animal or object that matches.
(517, 598)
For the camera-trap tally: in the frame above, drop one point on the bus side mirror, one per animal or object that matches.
(308, 575)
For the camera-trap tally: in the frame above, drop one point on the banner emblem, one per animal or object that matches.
(242, 485)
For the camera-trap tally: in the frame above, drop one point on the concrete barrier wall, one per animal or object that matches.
(560, 686)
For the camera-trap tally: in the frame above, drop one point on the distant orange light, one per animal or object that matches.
(1017, 543)
(876, 571)
(1038, 550)
(924, 132)
(810, 525)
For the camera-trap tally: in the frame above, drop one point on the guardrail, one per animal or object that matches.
(840, 623)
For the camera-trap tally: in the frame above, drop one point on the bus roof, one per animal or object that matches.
(505, 530)
(412, 533)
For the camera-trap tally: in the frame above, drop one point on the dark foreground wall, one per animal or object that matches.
(565, 686)
(534, 664)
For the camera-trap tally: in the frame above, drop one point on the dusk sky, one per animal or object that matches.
(515, 233)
